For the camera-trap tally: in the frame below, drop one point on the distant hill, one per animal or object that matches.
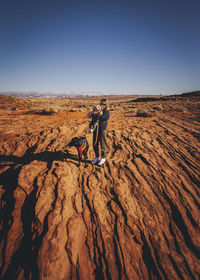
(192, 93)
(141, 97)
(165, 98)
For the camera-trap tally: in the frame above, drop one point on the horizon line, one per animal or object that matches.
(93, 92)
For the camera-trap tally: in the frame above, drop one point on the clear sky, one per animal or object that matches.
(111, 46)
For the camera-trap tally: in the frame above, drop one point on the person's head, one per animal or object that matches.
(103, 103)
(96, 108)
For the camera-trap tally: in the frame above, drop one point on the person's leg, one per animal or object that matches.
(96, 143)
(103, 136)
(95, 125)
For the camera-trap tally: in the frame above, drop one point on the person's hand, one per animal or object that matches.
(90, 130)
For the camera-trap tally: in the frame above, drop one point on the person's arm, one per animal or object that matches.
(105, 116)
(90, 114)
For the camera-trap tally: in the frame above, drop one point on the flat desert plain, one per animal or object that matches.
(135, 217)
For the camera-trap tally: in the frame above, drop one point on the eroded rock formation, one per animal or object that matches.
(137, 217)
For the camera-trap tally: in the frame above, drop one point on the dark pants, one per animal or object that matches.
(102, 134)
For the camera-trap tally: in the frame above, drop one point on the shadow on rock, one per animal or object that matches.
(25, 257)
(46, 156)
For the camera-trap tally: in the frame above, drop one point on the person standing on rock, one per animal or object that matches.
(100, 133)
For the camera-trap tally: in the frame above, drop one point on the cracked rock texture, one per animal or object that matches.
(136, 217)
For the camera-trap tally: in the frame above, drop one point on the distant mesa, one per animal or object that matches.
(141, 97)
(163, 98)
(193, 93)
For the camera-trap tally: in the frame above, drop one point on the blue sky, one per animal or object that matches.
(137, 46)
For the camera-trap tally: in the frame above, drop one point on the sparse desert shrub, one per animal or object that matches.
(143, 113)
(35, 110)
(73, 110)
(82, 110)
(158, 107)
(179, 108)
(48, 110)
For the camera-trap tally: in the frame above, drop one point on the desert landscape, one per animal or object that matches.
(135, 217)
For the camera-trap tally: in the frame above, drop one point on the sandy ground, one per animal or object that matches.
(136, 217)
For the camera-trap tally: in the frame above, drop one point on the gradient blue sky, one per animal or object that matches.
(137, 46)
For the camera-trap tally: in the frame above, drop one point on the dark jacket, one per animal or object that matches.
(94, 120)
(103, 119)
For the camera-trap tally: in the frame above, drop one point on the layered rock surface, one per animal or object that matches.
(136, 217)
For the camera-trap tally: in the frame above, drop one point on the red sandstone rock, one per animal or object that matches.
(137, 217)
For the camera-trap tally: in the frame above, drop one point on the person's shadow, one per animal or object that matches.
(25, 256)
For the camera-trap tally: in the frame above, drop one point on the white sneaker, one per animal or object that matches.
(102, 160)
(96, 159)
